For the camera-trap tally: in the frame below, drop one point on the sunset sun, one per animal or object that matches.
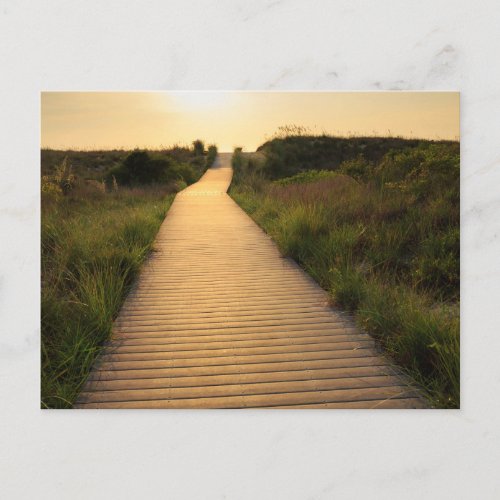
(195, 101)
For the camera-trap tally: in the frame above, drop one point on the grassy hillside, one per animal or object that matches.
(96, 165)
(86, 164)
(286, 156)
(376, 223)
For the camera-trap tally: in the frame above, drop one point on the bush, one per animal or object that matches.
(184, 172)
(50, 188)
(134, 169)
(61, 182)
(423, 172)
(198, 148)
(248, 170)
(211, 155)
(358, 168)
(437, 264)
(139, 168)
(307, 176)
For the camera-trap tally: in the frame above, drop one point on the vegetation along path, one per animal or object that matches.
(219, 319)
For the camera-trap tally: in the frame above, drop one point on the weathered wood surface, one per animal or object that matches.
(219, 319)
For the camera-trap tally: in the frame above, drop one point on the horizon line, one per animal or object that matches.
(161, 147)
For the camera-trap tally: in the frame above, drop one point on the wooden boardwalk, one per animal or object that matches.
(219, 319)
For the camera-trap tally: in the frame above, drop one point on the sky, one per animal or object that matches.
(126, 120)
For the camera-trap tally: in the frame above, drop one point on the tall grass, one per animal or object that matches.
(384, 244)
(93, 244)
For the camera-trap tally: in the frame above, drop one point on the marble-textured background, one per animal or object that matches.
(272, 44)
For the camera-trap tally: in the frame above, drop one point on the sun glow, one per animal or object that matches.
(195, 101)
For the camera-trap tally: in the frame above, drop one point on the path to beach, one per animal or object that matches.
(219, 319)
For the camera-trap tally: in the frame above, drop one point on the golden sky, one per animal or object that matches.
(106, 120)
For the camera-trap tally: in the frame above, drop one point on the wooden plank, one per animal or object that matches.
(214, 369)
(212, 349)
(269, 353)
(380, 404)
(238, 378)
(208, 318)
(271, 325)
(207, 335)
(303, 327)
(178, 361)
(235, 310)
(363, 395)
(144, 345)
(236, 304)
(229, 389)
(248, 320)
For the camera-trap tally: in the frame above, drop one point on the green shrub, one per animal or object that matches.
(247, 170)
(211, 155)
(307, 176)
(61, 182)
(358, 168)
(237, 160)
(198, 148)
(437, 264)
(184, 172)
(140, 168)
